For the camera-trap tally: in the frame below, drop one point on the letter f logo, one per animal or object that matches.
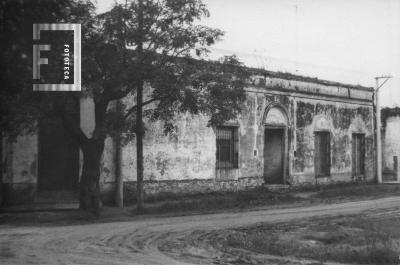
(37, 61)
(56, 85)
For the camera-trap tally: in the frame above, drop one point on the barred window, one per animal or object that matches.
(227, 147)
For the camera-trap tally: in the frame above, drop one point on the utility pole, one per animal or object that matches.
(119, 180)
(378, 127)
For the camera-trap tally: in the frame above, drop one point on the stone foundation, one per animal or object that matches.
(190, 186)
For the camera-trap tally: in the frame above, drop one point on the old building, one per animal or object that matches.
(293, 130)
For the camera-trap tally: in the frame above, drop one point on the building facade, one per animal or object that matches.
(293, 130)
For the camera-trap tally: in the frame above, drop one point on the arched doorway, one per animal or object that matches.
(276, 125)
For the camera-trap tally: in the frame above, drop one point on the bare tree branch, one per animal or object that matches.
(133, 108)
(114, 95)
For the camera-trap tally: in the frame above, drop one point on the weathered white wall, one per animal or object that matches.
(391, 141)
(188, 152)
(306, 115)
(20, 159)
(341, 128)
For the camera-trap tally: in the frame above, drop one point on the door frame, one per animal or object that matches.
(328, 132)
(285, 148)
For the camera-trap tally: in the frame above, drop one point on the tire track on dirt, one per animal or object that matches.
(162, 240)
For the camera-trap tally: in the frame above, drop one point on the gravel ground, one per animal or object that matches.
(156, 240)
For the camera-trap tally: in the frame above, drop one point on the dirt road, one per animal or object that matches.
(165, 240)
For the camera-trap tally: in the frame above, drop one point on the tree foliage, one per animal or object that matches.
(140, 45)
(156, 42)
(20, 107)
(164, 51)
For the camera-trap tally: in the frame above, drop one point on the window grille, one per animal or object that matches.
(227, 147)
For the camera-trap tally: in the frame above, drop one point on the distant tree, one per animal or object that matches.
(135, 45)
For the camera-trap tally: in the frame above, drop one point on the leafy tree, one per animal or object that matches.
(162, 39)
(134, 46)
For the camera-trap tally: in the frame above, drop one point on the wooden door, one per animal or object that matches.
(322, 154)
(274, 156)
(358, 154)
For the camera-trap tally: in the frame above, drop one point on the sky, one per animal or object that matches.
(348, 41)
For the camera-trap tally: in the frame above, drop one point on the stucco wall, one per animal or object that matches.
(188, 152)
(306, 115)
(391, 141)
(341, 120)
(184, 159)
(20, 159)
(20, 166)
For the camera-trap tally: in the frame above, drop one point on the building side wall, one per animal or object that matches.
(391, 141)
(20, 166)
(184, 160)
(187, 152)
(341, 120)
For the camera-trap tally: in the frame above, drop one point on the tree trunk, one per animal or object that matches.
(139, 148)
(119, 181)
(89, 192)
(1, 168)
(92, 149)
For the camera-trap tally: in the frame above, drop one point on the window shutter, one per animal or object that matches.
(362, 155)
(328, 154)
(317, 154)
(235, 148)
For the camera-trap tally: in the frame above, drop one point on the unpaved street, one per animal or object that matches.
(165, 240)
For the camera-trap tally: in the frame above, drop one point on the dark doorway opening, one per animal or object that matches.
(322, 155)
(358, 154)
(274, 155)
(58, 154)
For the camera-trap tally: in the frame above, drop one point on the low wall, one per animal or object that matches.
(190, 186)
(195, 186)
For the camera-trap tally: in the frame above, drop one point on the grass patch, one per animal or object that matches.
(357, 190)
(218, 200)
(262, 196)
(355, 240)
